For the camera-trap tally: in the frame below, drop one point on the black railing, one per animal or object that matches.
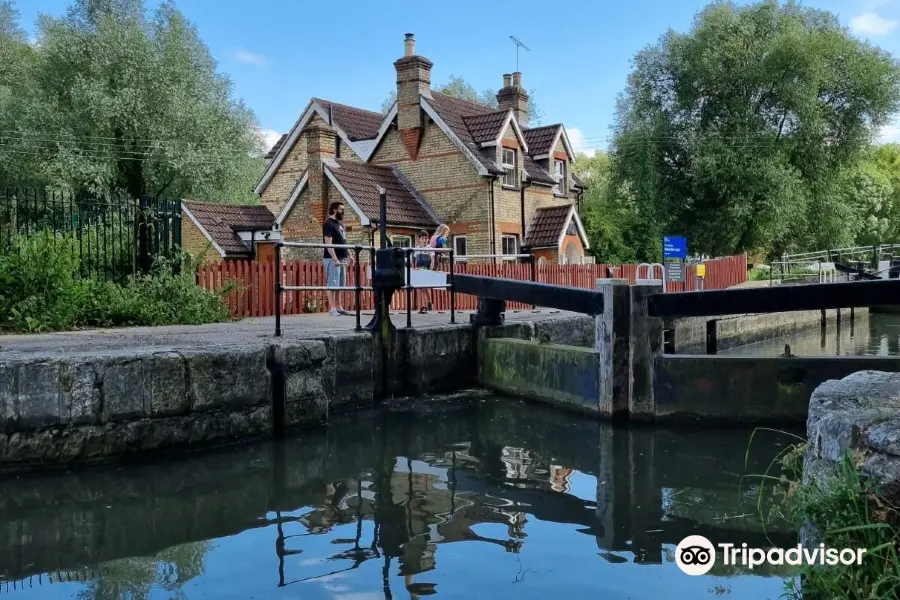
(112, 236)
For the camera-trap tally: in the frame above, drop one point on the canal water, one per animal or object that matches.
(474, 498)
(873, 335)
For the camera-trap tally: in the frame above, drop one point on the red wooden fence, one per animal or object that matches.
(250, 285)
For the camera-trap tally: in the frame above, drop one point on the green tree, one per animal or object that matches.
(737, 133)
(460, 88)
(125, 100)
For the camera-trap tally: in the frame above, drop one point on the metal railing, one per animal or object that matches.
(358, 288)
(409, 287)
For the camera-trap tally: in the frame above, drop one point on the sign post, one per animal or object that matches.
(674, 247)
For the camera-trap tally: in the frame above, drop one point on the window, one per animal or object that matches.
(510, 244)
(559, 172)
(459, 246)
(509, 165)
(401, 241)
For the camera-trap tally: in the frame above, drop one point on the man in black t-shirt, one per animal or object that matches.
(335, 259)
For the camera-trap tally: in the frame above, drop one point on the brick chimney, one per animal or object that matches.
(514, 97)
(320, 146)
(413, 81)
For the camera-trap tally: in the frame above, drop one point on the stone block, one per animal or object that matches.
(79, 387)
(299, 355)
(39, 403)
(228, 378)
(9, 395)
(166, 377)
(438, 359)
(349, 370)
(124, 388)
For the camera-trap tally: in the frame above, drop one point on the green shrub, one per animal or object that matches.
(41, 290)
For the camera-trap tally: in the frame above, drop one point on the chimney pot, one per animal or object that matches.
(517, 79)
(507, 79)
(409, 44)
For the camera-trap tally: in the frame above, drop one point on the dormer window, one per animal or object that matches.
(559, 172)
(509, 166)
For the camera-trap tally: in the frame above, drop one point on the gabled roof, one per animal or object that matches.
(292, 198)
(550, 224)
(486, 127)
(536, 173)
(352, 125)
(357, 123)
(450, 114)
(219, 223)
(274, 150)
(542, 140)
(358, 184)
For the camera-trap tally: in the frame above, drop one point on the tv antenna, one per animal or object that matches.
(518, 44)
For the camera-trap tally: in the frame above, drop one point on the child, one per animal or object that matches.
(423, 262)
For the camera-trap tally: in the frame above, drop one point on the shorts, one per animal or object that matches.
(335, 273)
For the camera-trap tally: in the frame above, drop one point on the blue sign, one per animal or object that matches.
(674, 246)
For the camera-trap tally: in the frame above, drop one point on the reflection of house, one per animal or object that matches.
(559, 478)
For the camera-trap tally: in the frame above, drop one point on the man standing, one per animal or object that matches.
(335, 259)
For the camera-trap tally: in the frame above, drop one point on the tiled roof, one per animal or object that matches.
(578, 181)
(486, 127)
(547, 225)
(539, 139)
(222, 221)
(454, 112)
(357, 123)
(361, 181)
(271, 153)
(536, 172)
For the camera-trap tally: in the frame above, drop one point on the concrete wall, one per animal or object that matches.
(566, 376)
(749, 389)
(739, 330)
(90, 406)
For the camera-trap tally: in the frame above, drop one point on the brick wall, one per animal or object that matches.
(276, 193)
(195, 243)
(508, 201)
(446, 179)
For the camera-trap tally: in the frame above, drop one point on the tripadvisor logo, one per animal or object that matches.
(696, 555)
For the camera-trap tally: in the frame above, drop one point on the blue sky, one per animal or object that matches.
(279, 53)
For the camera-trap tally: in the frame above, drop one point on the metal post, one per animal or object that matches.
(409, 290)
(533, 274)
(382, 203)
(711, 336)
(278, 289)
(358, 291)
(452, 287)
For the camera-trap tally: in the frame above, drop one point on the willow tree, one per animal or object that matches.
(736, 132)
(126, 100)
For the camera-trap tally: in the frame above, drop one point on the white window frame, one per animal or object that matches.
(408, 238)
(510, 168)
(561, 188)
(456, 254)
(515, 239)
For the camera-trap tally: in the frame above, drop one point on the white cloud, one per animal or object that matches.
(579, 143)
(890, 133)
(250, 58)
(871, 23)
(270, 137)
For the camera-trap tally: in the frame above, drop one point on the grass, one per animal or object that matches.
(843, 510)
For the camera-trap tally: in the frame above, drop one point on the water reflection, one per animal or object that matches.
(871, 335)
(465, 501)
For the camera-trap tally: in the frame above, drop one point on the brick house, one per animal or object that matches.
(503, 188)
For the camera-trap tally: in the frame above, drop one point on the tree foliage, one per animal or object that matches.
(112, 97)
(460, 88)
(745, 132)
